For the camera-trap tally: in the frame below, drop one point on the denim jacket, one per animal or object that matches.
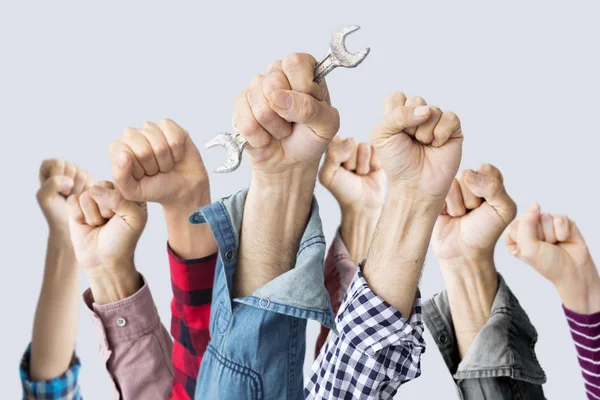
(257, 342)
(501, 363)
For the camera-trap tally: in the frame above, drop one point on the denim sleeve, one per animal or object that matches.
(63, 387)
(501, 362)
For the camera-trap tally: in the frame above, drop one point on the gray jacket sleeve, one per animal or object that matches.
(501, 363)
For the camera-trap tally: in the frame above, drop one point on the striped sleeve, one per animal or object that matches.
(585, 330)
(192, 283)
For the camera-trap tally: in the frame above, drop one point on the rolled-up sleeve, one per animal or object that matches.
(377, 349)
(63, 387)
(135, 345)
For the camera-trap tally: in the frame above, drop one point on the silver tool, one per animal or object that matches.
(339, 56)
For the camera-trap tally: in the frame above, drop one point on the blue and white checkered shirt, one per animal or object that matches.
(376, 351)
(64, 387)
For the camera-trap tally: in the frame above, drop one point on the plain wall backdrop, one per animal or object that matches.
(522, 76)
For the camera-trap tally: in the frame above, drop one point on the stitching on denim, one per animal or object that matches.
(293, 354)
(308, 242)
(231, 230)
(254, 377)
(309, 245)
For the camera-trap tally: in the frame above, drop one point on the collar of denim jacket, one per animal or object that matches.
(300, 292)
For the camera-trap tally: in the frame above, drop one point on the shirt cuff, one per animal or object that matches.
(64, 386)
(579, 319)
(192, 280)
(127, 319)
(371, 324)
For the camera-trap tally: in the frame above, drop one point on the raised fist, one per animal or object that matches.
(105, 229)
(352, 173)
(59, 180)
(158, 163)
(285, 116)
(476, 212)
(420, 146)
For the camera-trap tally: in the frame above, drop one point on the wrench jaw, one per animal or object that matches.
(234, 152)
(337, 47)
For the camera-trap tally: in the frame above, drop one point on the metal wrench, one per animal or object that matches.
(339, 56)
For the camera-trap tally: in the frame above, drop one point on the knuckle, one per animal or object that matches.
(256, 80)
(129, 132)
(293, 61)
(452, 117)
(264, 115)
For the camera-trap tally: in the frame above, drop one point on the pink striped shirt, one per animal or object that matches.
(585, 330)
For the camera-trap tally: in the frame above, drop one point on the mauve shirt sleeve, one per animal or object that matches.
(585, 330)
(135, 346)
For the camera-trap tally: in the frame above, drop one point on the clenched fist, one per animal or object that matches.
(554, 247)
(285, 116)
(59, 179)
(158, 163)
(420, 146)
(476, 212)
(105, 229)
(352, 173)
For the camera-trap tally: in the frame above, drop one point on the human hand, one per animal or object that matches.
(555, 248)
(476, 212)
(105, 229)
(352, 172)
(420, 146)
(286, 117)
(59, 180)
(159, 163)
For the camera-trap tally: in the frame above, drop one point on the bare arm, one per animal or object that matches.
(57, 313)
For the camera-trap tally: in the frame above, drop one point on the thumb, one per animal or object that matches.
(122, 171)
(54, 186)
(339, 151)
(492, 190)
(303, 108)
(528, 243)
(132, 213)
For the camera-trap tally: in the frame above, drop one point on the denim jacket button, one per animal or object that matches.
(264, 302)
(443, 339)
(229, 255)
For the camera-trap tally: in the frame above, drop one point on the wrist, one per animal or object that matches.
(115, 285)
(197, 195)
(357, 231)
(581, 293)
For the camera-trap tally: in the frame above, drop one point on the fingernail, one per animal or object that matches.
(282, 100)
(535, 207)
(421, 111)
(123, 159)
(98, 190)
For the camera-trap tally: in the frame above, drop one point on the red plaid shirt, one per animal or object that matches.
(192, 282)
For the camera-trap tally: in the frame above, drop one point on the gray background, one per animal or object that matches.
(522, 76)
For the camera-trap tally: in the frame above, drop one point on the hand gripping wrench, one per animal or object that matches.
(339, 56)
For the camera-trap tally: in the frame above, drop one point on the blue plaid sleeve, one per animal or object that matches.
(377, 350)
(64, 387)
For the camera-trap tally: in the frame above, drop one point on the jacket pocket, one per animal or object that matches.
(223, 379)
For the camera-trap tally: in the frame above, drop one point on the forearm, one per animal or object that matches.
(275, 215)
(396, 257)
(56, 317)
(358, 227)
(471, 286)
(187, 240)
